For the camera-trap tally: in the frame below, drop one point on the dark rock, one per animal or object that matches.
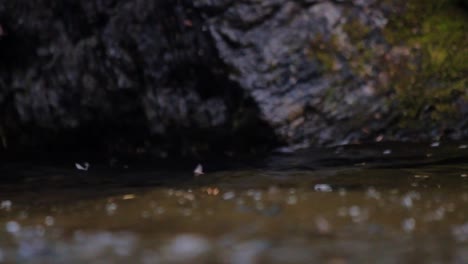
(192, 77)
(119, 74)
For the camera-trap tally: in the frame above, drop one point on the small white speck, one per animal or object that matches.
(387, 152)
(464, 175)
(435, 144)
(463, 146)
(83, 167)
(198, 170)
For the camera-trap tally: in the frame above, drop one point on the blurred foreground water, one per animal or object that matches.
(386, 203)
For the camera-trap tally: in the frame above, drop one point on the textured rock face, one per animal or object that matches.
(274, 48)
(137, 72)
(184, 77)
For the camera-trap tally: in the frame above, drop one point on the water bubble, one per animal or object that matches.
(187, 246)
(373, 193)
(189, 196)
(250, 192)
(461, 232)
(408, 224)
(12, 227)
(437, 215)
(257, 196)
(229, 195)
(322, 225)
(323, 188)
(407, 199)
(354, 211)
(110, 208)
(49, 221)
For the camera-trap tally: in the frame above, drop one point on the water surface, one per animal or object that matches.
(386, 203)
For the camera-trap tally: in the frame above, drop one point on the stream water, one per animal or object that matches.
(385, 203)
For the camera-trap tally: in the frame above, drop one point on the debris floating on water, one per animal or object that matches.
(198, 170)
(6, 205)
(83, 167)
(421, 176)
(323, 188)
(128, 196)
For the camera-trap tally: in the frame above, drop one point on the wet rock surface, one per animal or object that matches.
(190, 77)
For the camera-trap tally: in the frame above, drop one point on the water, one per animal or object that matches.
(392, 203)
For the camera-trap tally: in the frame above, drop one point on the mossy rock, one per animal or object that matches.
(430, 84)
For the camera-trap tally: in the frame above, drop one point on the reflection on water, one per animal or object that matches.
(361, 204)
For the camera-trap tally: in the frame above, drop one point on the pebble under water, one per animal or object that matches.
(385, 203)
